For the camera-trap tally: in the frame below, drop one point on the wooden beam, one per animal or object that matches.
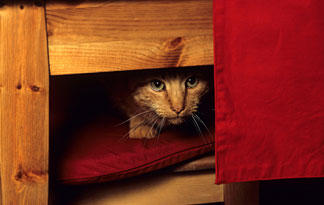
(0, 188)
(24, 99)
(155, 188)
(98, 36)
(242, 193)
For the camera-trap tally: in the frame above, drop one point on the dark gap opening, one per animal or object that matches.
(79, 100)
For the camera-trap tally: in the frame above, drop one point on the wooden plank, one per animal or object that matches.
(157, 189)
(0, 186)
(242, 193)
(97, 36)
(204, 163)
(24, 106)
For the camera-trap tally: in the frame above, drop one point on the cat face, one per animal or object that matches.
(172, 96)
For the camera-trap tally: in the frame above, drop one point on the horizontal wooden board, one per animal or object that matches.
(201, 164)
(157, 189)
(99, 36)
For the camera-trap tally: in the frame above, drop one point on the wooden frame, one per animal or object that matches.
(24, 98)
(242, 193)
(24, 70)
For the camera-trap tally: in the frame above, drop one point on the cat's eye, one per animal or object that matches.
(191, 82)
(157, 85)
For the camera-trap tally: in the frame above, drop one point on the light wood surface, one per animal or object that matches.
(0, 184)
(204, 163)
(157, 189)
(23, 104)
(97, 36)
(242, 193)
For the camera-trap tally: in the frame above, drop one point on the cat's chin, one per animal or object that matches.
(176, 120)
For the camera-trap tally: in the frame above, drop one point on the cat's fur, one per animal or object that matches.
(149, 110)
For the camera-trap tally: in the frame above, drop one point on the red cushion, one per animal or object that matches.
(98, 152)
(269, 89)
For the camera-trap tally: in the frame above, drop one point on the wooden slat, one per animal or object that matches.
(242, 193)
(204, 163)
(0, 185)
(97, 36)
(23, 104)
(157, 189)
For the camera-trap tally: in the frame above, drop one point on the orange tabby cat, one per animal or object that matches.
(155, 99)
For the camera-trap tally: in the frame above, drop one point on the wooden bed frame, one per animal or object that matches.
(38, 40)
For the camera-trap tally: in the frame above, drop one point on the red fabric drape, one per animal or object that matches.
(269, 82)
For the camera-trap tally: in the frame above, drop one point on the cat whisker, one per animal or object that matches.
(161, 124)
(137, 115)
(144, 122)
(196, 125)
(152, 127)
(202, 122)
(198, 129)
(132, 129)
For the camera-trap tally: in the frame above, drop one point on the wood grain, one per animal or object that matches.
(23, 104)
(242, 193)
(97, 36)
(204, 163)
(157, 189)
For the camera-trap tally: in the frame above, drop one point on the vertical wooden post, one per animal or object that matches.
(245, 193)
(24, 99)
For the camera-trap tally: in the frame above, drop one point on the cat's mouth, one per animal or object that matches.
(176, 120)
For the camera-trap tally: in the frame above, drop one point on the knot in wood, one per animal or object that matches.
(174, 44)
(19, 86)
(34, 88)
(30, 176)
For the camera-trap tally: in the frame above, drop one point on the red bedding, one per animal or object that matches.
(97, 152)
(269, 71)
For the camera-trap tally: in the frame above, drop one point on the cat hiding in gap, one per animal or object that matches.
(155, 99)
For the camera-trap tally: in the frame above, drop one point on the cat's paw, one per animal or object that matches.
(143, 131)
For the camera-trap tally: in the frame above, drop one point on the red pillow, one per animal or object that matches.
(98, 152)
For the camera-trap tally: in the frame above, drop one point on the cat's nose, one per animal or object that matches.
(178, 110)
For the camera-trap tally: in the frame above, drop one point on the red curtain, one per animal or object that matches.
(269, 82)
